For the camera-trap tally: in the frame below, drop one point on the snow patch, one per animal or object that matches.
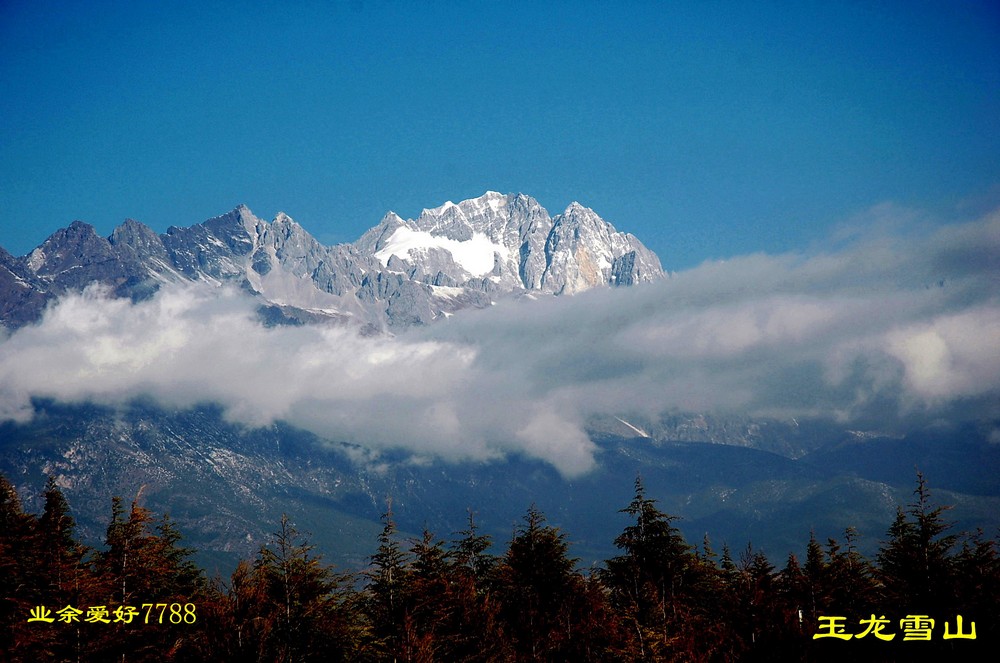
(636, 429)
(494, 200)
(474, 255)
(438, 211)
(447, 291)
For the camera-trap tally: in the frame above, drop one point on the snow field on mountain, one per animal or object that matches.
(474, 255)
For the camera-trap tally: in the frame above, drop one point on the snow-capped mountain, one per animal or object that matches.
(399, 273)
(509, 242)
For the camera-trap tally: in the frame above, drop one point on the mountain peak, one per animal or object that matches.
(81, 226)
(439, 210)
(76, 233)
(575, 208)
(132, 233)
(399, 273)
(235, 223)
(491, 200)
(501, 242)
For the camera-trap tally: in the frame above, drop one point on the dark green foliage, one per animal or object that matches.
(384, 600)
(53, 570)
(660, 600)
(289, 606)
(816, 598)
(144, 563)
(666, 594)
(17, 581)
(475, 631)
(59, 568)
(916, 567)
(471, 553)
(977, 572)
(549, 611)
(850, 581)
(536, 582)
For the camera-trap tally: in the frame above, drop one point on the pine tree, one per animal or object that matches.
(302, 608)
(792, 596)
(242, 627)
(177, 571)
(61, 574)
(17, 595)
(759, 615)
(977, 571)
(916, 567)
(470, 552)
(849, 579)
(538, 585)
(145, 565)
(652, 582)
(118, 563)
(385, 594)
(477, 634)
(794, 588)
(431, 607)
(817, 599)
(803, 593)
(60, 552)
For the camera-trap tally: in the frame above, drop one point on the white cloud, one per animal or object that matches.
(882, 330)
(950, 357)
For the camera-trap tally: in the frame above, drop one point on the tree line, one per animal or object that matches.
(142, 598)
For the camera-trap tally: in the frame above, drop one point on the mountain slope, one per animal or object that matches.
(398, 274)
(227, 486)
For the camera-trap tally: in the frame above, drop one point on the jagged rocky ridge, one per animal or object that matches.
(398, 274)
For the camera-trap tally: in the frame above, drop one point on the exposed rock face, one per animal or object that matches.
(512, 242)
(21, 292)
(398, 274)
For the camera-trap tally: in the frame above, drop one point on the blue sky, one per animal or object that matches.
(707, 129)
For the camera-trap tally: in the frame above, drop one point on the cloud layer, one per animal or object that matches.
(890, 330)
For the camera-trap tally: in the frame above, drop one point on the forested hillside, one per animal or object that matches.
(141, 598)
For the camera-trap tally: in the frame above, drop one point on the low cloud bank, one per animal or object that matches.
(890, 330)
